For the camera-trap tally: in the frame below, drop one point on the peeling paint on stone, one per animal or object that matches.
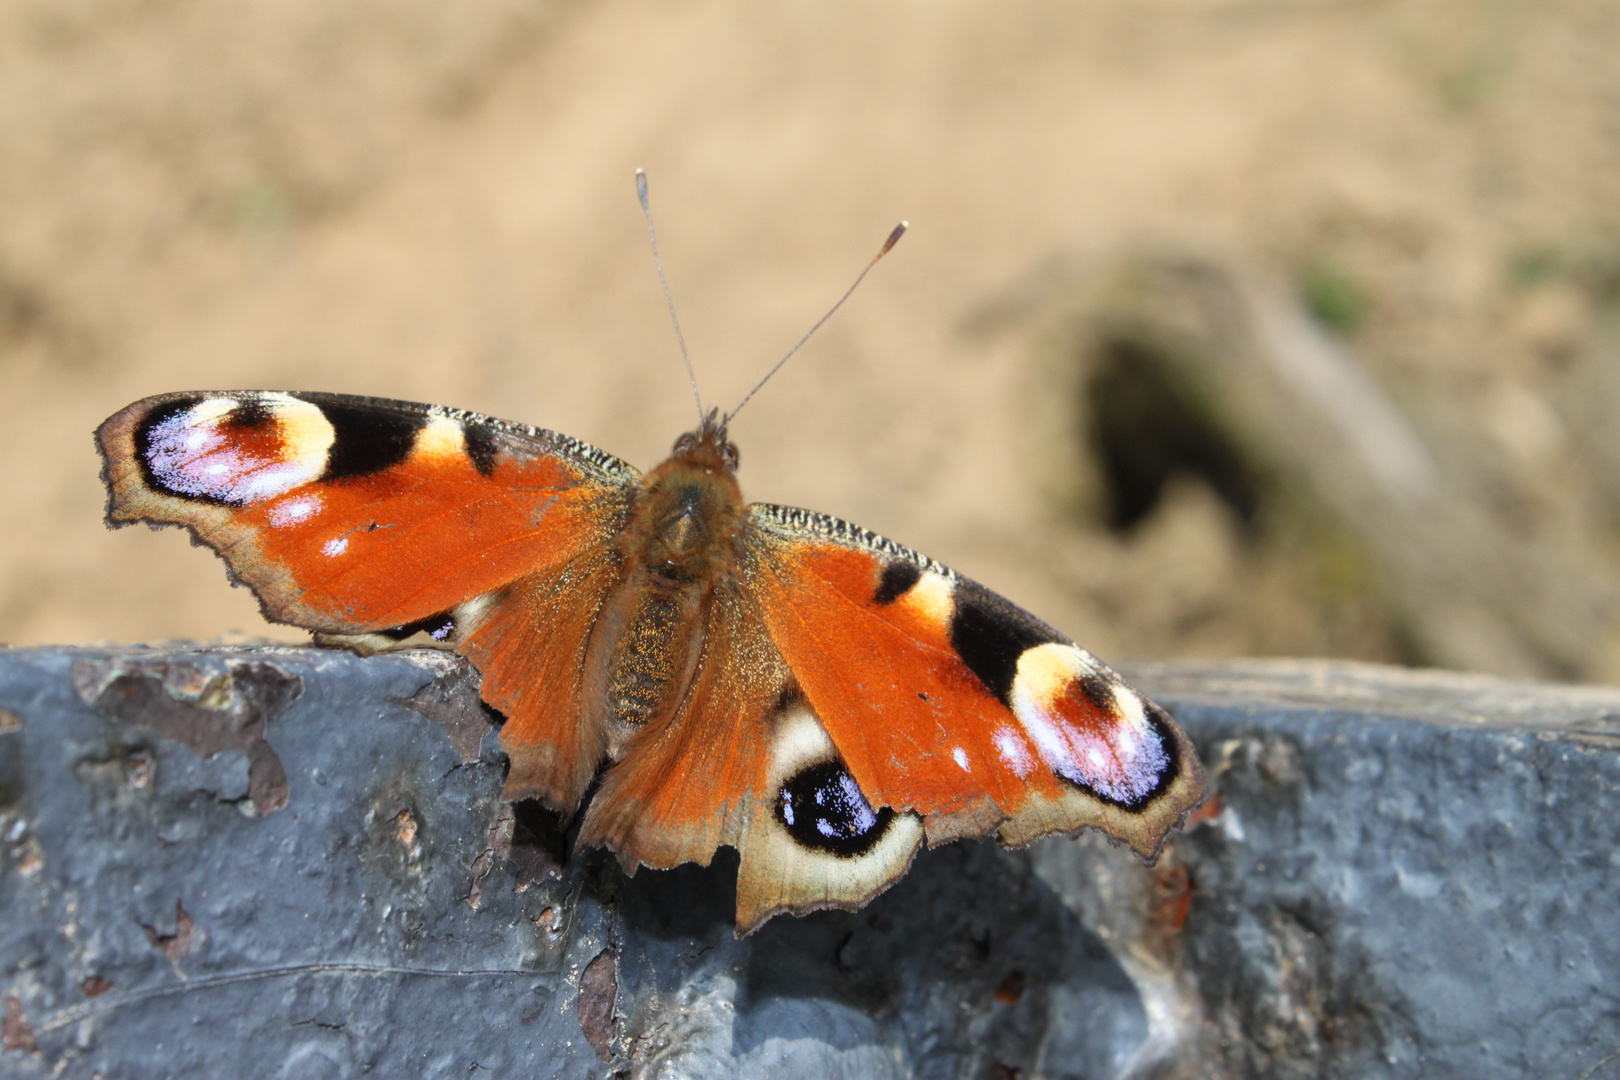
(209, 711)
(452, 699)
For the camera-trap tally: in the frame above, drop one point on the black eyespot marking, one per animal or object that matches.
(989, 634)
(897, 580)
(822, 809)
(438, 627)
(248, 415)
(145, 446)
(1100, 693)
(482, 448)
(366, 439)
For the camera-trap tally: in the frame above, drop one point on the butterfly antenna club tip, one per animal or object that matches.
(652, 235)
(894, 238)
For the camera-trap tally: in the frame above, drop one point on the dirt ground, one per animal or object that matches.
(435, 202)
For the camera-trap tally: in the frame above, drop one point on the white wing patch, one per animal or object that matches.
(212, 450)
(295, 510)
(1056, 697)
(1014, 751)
(440, 439)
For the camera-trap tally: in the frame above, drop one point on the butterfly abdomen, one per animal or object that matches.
(681, 540)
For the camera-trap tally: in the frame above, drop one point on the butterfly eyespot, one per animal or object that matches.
(823, 809)
(1092, 732)
(231, 450)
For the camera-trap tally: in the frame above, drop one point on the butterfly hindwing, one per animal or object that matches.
(948, 700)
(745, 762)
(529, 641)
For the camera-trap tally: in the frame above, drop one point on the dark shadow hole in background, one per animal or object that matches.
(1145, 428)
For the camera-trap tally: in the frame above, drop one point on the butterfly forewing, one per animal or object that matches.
(946, 699)
(348, 514)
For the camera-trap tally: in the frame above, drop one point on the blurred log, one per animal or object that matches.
(295, 863)
(1182, 365)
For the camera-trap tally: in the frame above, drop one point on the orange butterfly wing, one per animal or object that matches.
(949, 701)
(360, 516)
(348, 514)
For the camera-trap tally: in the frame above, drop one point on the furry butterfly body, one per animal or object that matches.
(822, 699)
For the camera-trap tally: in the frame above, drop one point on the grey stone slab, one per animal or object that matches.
(295, 863)
(1411, 874)
(165, 914)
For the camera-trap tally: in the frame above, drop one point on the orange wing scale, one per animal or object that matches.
(424, 536)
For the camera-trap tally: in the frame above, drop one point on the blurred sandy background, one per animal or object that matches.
(432, 201)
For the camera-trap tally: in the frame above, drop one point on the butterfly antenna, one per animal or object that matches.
(894, 238)
(652, 233)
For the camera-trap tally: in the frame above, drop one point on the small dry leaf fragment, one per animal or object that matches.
(30, 858)
(598, 986)
(1011, 990)
(178, 944)
(405, 828)
(138, 768)
(15, 1034)
(95, 986)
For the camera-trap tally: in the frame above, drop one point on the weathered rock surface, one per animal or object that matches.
(295, 863)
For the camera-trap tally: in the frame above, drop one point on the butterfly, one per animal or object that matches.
(822, 699)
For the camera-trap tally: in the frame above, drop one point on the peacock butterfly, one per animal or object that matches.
(820, 698)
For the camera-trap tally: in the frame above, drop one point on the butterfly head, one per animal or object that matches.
(708, 448)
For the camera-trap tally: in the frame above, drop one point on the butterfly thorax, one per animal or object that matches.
(681, 542)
